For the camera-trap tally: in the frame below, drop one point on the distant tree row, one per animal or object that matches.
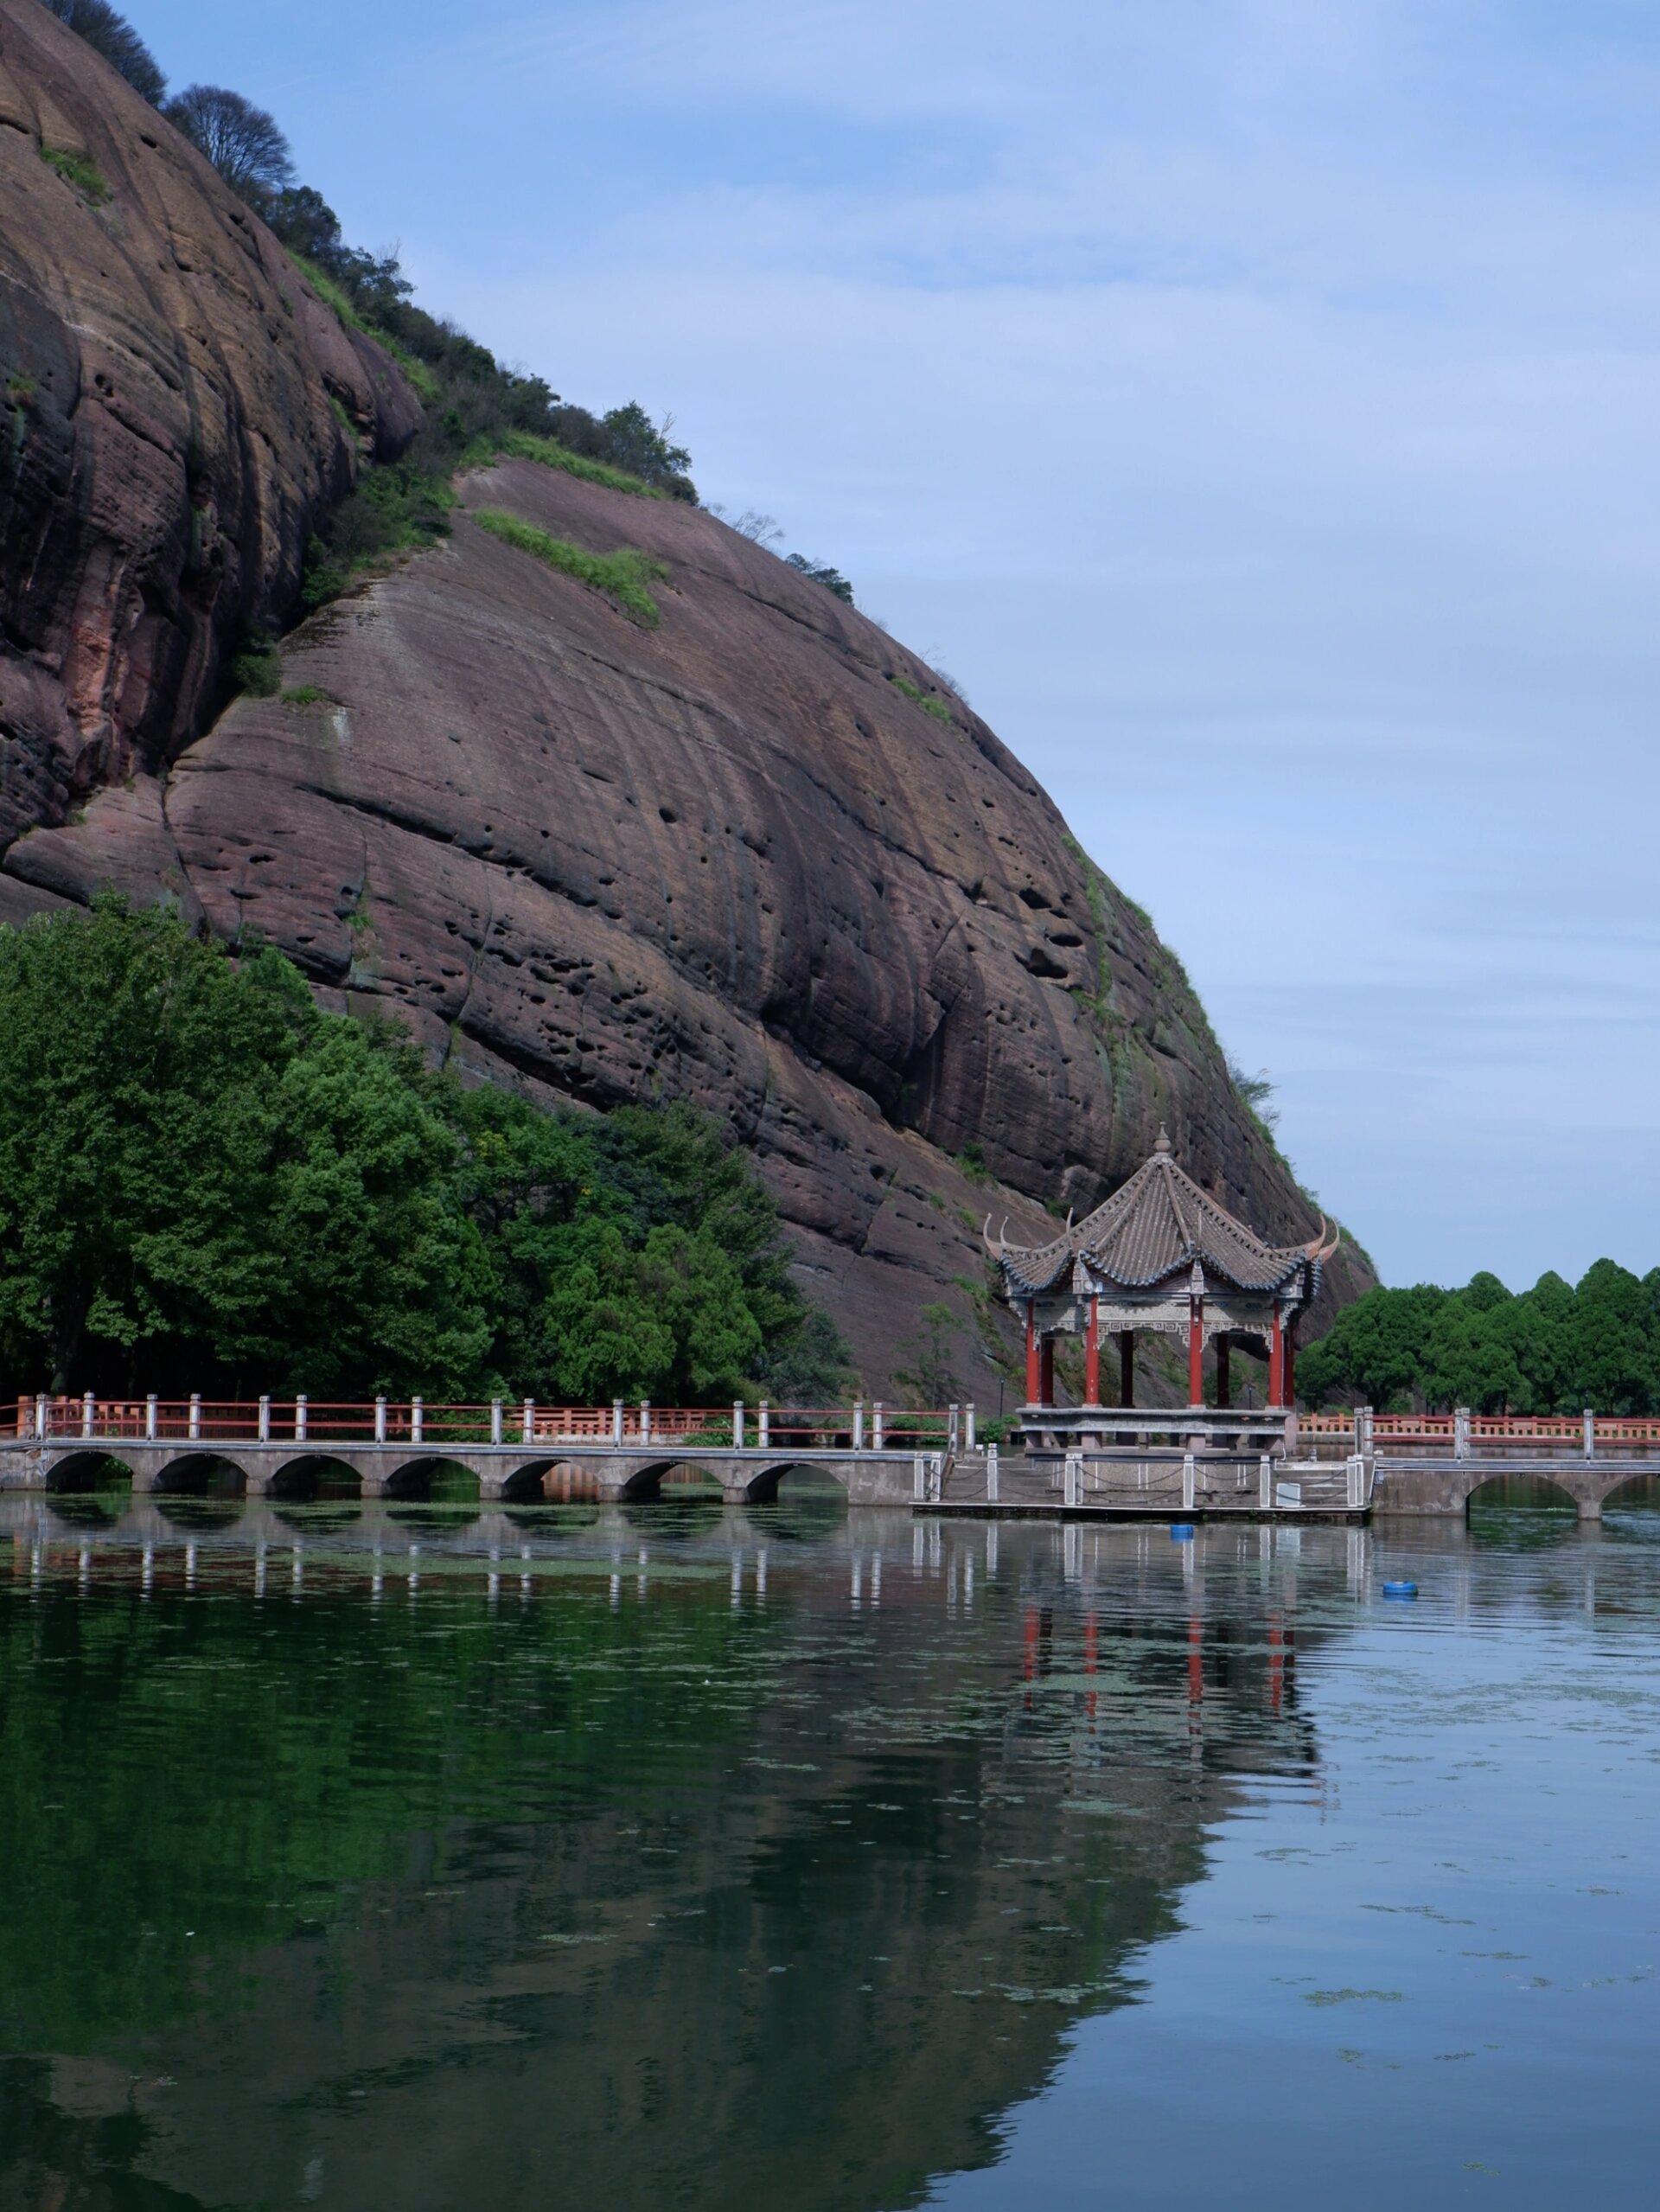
(207, 1183)
(1554, 1349)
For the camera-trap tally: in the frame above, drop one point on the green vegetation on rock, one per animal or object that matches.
(79, 169)
(622, 575)
(936, 708)
(207, 1183)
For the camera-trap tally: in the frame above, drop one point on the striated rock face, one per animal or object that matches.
(176, 412)
(731, 857)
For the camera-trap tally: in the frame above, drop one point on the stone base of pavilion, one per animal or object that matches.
(1054, 1430)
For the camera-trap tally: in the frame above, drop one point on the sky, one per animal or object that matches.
(1252, 403)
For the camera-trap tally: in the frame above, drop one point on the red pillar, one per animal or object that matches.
(1277, 1363)
(1091, 1357)
(1033, 1382)
(1291, 1368)
(1195, 1351)
(1126, 1367)
(1046, 1378)
(1224, 1379)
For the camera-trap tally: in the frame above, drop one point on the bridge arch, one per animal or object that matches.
(434, 1480)
(88, 1470)
(309, 1474)
(1523, 1488)
(194, 1471)
(763, 1486)
(1630, 1493)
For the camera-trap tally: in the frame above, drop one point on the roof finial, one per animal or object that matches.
(1164, 1143)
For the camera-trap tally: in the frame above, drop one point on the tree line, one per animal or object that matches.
(1557, 1348)
(207, 1183)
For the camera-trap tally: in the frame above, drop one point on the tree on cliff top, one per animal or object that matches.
(206, 1182)
(113, 37)
(243, 142)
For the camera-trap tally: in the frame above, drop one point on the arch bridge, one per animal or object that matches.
(391, 1450)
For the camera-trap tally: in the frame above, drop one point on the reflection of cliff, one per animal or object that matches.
(672, 1903)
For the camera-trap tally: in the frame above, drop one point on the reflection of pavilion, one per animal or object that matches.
(1159, 1256)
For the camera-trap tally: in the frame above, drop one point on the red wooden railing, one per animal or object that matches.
(412, 1421)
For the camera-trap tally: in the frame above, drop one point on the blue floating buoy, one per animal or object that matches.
(1400, 1589)
(1181, 1532)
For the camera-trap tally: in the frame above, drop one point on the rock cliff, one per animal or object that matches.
(754, 854)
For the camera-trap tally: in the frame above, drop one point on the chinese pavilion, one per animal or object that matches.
(1161, 1255)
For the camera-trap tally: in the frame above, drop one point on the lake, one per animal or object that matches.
(449, 1860)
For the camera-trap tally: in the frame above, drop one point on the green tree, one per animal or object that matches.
(928, 1376)
(111, 35)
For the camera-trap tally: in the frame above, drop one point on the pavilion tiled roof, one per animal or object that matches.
(1153, 1227)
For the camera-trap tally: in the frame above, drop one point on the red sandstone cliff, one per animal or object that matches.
(727, 858)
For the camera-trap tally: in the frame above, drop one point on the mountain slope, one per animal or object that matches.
(753, 854)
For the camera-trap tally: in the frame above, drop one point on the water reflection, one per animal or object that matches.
(437, 1858)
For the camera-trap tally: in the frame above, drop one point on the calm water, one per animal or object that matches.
(670, 1858)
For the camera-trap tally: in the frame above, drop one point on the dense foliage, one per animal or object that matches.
(111, 35)
(207, 1183)
(1553, 1349)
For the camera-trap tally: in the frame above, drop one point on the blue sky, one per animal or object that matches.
(1253, 402)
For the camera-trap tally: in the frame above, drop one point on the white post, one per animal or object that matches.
(1461, 1432)
(529, 1431)
(737, 1424)
(971, 1444)
(299, 1419)
(919, 1482)
(859, 1424)
(1590, 1434)
(875, 1422)
(40, 1416)
(952, 1427)
(617, 1420)
(152, 1423)
(1356, 1482)
(381, 1421)
(1187, 1483)
(991, 1474)
(645, 1422)
(415, 1418)
(496, 1421)
(195, 1416)
(766, 1425)
(87, 1407)
(264, 1421)
(1072, 1478)
(1264, 1482)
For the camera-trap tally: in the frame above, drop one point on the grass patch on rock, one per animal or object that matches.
(78, 169)
(936, 708)
(525, 445)
(622, 575)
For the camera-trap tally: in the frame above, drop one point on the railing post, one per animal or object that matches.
(765, 1418)
(1590, 1434)
(876, 1425)
(381, 1421)
(1460, 1432)
(1363, 1443)
(645, 1422)
(417, 1415)
(859, 1424)
(991, 1474)
(195, 1416)
(919, 1482)
(41, 1416)
(496, 1421)
(530, 1421)
(152, 1422)
(1187, 1483)
(1264, 1482)
(737, 1424)
(264, 1421)
(87, 1408)
(1071, 1478)
(971, 1445)
(299, 1420)
(954, 1429)
(1356, 1482)
(617, 1420)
